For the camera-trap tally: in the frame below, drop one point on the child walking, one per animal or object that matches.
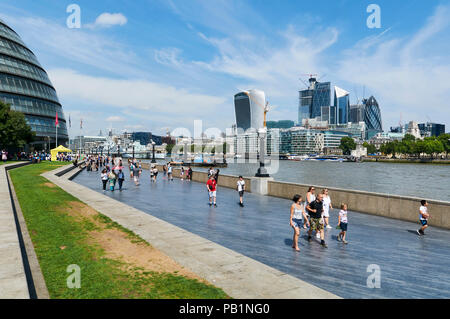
(342, 223)
(423, 217)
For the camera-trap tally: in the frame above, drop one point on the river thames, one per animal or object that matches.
(430, 181)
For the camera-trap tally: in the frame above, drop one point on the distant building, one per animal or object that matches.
(312, 99)
(25, 85)
(280, 124)
(145, 138)
(342, 104)
(372, 117)
(413, 129)
(249, 108)
(431, 129)
(355, 130)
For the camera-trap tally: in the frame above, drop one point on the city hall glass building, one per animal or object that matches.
(24, 85)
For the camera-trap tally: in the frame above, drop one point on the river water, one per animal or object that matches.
(428, 181)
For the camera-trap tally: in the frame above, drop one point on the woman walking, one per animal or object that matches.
(112, 180)
(296, 219)
(104, 177)
(326, 207)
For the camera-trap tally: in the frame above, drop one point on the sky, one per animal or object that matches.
(158, 65)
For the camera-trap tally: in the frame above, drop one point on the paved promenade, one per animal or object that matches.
(239, 276)
(13, 281)
(411, 266)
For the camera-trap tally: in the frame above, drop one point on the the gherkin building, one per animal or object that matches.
(24, 85)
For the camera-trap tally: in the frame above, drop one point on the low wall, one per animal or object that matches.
(228, 181)
(392, 206)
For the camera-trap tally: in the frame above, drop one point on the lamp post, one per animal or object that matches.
(262, 172)
(153, 152)
(185, 152)
(133, 151)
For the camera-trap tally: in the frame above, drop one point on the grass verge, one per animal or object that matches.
(65, 232)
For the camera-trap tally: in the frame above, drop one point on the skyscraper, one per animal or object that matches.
(312, 99)
(24, 85)
(249, 108)
(342, 104)
(372, 117)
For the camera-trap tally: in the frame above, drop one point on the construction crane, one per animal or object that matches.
(266, 107)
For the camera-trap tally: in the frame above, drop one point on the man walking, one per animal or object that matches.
(211, 185)
(241, 189)
(315, 210)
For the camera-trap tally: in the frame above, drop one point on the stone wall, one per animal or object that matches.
(392, 206)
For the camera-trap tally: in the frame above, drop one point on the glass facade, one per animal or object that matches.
(342, 104)
(313, 100)
(24, 85)
(321, 97)
(372, 117)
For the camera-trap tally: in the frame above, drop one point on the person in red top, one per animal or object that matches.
(211, 185)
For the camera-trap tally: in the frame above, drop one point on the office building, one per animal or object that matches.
(312, 99)
(342, 104)
(24, 85)
(249, 109)
(372, 117)
(431, 129)
(280, 124)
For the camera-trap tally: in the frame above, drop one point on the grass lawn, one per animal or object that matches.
(65, 231)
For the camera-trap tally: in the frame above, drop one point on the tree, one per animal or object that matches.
(14, 129)
(445, 140)
(347, 145)
(371, 149)
(169, 148)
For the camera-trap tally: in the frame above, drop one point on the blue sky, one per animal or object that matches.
(161, 64)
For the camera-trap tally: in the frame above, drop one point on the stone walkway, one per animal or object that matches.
(238, 275)
(13, 281)
(411, 266)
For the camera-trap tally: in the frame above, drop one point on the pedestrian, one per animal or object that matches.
(104, 177)
(315, 210)
(155, 173)
(216, 176)
(189, 174)
(4, 156)
(241, 190)
(182, 173)
(343, 223)
(296, 219)
(169, 172)
(164, 170)
(112, 180)
(121, 178)
(310, 197)
(151, 173)
(211, 185)
(423, 217)
(326, 207)
(136, 175)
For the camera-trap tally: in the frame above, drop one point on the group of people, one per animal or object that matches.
(314, 214)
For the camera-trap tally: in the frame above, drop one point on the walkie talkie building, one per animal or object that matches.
(24, 85)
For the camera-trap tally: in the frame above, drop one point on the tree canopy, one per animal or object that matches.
(14, 129)
(347, 145)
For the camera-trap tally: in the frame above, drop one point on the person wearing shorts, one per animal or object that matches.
(211, 185)
(315, 210)
(423, 217)
(343, 223)
(326, 207)
(296, 219)
(241, 190)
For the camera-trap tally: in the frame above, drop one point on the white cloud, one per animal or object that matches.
(135, 95)
(76, 45)
(408, 76)
(115, 119)
(110, 19)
